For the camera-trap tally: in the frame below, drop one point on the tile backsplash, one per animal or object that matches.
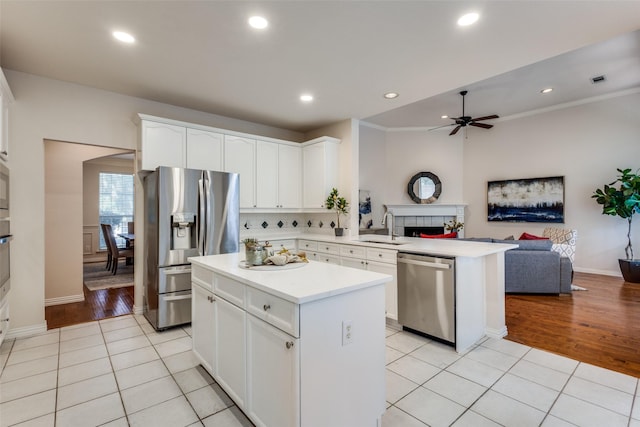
(286, 223)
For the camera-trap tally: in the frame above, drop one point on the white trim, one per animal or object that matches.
(26, 331)
(614, 273)
(63, 300)
(496, 333)
(427, 210)
(137, 309)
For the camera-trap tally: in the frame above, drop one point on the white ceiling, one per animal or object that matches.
(202, 55)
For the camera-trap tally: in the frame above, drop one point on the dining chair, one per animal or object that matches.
(108, 243)
(116, 252)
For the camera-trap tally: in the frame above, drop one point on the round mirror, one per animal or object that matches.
(424, 187)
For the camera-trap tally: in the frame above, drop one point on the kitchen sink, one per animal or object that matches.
(384, 242)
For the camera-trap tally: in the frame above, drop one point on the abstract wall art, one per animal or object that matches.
(526, 200)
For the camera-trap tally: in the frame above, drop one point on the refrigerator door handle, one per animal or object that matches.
(209, 244)
(202, 201)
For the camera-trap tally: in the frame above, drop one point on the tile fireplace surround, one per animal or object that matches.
(425, 216)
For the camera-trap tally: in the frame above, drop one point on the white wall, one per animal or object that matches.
(51, 109)
(373, 166)
(585, 144)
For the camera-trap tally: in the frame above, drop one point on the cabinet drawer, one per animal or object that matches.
(202, 277)
(359, 252)
(229, 289)
(289, 244)
(329, 248)
(307, 245)
(276, 311)
(382, 255)
(330, 259)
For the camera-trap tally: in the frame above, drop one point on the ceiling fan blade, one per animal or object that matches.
(481, 125)
(486, 118)
(443, 126)
(453, 132)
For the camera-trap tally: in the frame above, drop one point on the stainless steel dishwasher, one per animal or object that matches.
(426, 295)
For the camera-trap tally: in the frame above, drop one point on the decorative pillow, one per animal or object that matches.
(440, 236)
(527, 236)
(508, 237)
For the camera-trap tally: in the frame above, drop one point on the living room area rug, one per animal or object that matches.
(577, 288)
(97, 277)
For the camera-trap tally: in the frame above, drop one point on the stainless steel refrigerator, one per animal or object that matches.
(188, 212)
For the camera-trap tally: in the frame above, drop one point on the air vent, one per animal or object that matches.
(597, 79)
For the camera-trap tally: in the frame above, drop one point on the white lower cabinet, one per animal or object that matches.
(202, 326)
(230, 349)
(273, 375)
(391, 288)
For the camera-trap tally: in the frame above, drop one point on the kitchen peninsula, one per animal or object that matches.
(290, 342)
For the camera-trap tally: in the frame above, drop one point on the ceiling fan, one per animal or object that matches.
(464, 121)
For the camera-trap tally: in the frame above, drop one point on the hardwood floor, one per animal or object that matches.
(97, 305)
(600, 326)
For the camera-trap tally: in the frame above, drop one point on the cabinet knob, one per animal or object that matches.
(350, 251)
(289, 344)
(380, 255)
(266, 307)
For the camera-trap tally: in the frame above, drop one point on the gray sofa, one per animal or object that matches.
(534, 268)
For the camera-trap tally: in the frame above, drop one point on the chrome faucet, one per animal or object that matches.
(387, 220)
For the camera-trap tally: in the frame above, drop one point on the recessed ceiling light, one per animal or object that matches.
(444, 117)
(124, 37)
(468, 19)
(391, 95)
(258, 22)
(547, 90)
(306, 98)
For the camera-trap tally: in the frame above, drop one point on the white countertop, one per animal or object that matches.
(313, 281)
(441, 247)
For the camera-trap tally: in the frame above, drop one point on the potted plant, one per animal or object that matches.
(623, 200)
(453, 226)
(339, 205)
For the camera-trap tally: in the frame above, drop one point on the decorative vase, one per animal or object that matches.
(630, 269)
(339, 231)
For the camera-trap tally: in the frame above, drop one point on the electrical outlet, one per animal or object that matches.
(347, 332)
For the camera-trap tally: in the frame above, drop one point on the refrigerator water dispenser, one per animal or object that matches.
(183, 234)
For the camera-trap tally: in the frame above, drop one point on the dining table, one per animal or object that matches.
(129, 239)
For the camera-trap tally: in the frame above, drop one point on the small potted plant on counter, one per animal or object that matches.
(453, 226)
(339, 205)
(623, 201)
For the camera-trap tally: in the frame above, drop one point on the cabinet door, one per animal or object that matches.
(353, 262)
(289, 176)
(313, 176)
(391, 288)
(273, 384)
(203, 315)
(4, 127)
(162, 145)
(267, 175)
(320, 173)
(230, 350)
(204, 150)
(240, 157)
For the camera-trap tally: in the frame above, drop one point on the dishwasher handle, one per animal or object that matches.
(425, 263)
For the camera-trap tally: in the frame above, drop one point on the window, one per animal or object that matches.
(116, 203)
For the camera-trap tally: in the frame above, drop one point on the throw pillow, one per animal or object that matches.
(440, 236)
(527, 236)
(508, 238)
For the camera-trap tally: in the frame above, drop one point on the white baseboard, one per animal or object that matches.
(27, 331)
(614, 273)
(496, 333)
(63, 300)
(137, 309)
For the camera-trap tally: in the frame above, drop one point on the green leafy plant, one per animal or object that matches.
(621, 200)
(336, 203)
(453, 225)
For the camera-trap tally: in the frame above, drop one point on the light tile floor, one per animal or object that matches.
(120, 372)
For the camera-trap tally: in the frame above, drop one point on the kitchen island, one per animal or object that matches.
(297, 345)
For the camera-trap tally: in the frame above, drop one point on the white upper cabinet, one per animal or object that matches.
(240, 157)
(278, 173)
(204, 150)
(320, 171)
(162, 144)
(6, 98)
